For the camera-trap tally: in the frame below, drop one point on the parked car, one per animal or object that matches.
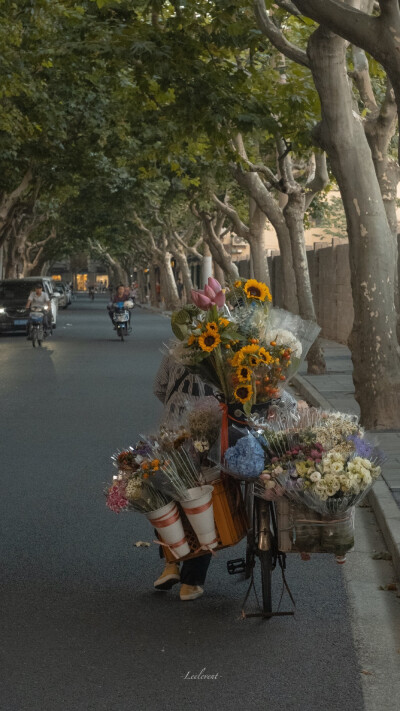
(14, 294)
(61, 294)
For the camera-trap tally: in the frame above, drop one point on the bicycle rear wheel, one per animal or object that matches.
(266, 565)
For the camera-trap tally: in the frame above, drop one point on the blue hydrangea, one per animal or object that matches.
(246, 457)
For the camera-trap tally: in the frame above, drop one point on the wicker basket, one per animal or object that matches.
(229, 516)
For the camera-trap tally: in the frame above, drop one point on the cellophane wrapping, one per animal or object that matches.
(303, 530)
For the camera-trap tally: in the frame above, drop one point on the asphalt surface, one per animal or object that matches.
(81, 627)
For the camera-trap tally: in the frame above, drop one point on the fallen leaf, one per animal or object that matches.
(389, 586)
(367, 673)
(142, 544)
(383, 555)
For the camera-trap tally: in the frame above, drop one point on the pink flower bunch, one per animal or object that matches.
(116, 500)
(212, 294)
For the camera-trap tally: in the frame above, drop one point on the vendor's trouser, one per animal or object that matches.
(194, 570)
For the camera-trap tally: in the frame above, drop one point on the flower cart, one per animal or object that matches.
(246, 463)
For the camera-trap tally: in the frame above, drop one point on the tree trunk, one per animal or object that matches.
(379, 132)
(218, 251)
(373, 341)
(254, 187)
(185, 271)
(294, 217)
(153, 283)
(257, 241)
(218, 274)
(141, 281)
(169, 290)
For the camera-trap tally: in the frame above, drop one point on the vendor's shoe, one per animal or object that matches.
(169, 577)
(190, 592)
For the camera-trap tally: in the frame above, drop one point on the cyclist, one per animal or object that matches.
(39, 299)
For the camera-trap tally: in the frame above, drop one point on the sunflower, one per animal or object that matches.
(264, 356)
(191, 340)
(209, 340)
(257, 290)
(237, 359)
(252, 348)
(243, 393)
(254, 360)
(223, 322)
(237, 284)
(244, 374)
(211, 326)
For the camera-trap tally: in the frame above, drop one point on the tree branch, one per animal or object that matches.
(188, 248)
(289, 7)
(362, 79)
(239, 146)
(275, 36)
(233, 216)
(319, 181)
(353, 25)
(388, 112)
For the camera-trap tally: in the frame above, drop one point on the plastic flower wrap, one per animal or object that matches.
(248, 352)
(322, 460)
(178, 466)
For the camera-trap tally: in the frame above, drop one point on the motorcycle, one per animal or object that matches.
(91, 293)
(37, 330)
(121, 318)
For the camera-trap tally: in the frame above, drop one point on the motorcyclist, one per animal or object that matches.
(120, 296)
(39, 299)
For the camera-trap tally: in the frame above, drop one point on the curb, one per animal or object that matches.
(388, 516)
(310, 393)
(380, 498)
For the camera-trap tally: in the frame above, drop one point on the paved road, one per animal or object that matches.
(81, 628)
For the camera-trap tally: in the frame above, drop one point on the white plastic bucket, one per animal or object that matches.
(198, 507)
(168, 524)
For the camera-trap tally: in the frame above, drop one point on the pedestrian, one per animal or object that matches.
(179, 286)
(176, 387)
(158, 292)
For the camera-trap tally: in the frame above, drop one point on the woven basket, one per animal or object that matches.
(229, 516)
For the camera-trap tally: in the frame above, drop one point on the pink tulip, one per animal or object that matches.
(209, 292)
(219, 299)
(214, 284)
(199, 299)
(212, 294)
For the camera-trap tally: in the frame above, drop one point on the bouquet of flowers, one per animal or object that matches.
(249, 351)
(324, 465)
(132, 488)
(329, 465)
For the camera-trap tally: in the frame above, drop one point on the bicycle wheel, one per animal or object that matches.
(266, 580)
(250, 545)
(34, 338)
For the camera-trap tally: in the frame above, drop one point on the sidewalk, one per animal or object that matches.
(336, 390)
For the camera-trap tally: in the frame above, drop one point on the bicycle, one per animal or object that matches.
(261, 544)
